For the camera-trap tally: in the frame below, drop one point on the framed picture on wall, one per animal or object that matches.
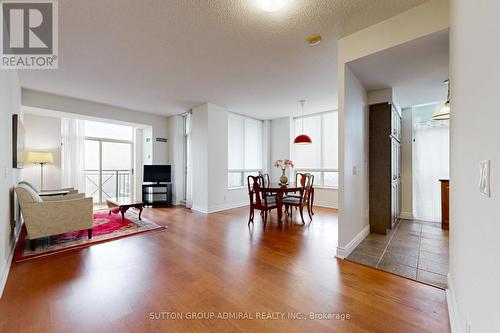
(17, 142)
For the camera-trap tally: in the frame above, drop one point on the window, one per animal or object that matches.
(321, 157)
(244, 149)
(94, 129)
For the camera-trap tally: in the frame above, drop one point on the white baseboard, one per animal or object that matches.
(201, 209)
(344, 252)
(237, 204)
(220, 207)
(227, 205)
(406, 216)
(326, 205)
(452, 307)
(6, 267)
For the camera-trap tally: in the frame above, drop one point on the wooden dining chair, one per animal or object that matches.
(300, 178)
(303, 199)
(311, 195)
(258, 198)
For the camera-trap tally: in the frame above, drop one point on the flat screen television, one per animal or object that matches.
(157, 174)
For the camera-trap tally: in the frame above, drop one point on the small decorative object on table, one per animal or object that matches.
(283, 164)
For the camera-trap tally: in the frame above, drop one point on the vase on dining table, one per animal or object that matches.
(283, 164)
(283, 178)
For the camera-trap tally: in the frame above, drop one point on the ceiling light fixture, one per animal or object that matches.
(271, 5)
(314, 39)
(302, 139)
(443, 113)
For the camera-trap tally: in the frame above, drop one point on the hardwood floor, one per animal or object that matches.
(215, 263)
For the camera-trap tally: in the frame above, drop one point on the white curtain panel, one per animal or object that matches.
(73, 154)
(431, 163)
(189, 162)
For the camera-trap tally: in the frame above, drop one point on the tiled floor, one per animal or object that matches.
(414, 249)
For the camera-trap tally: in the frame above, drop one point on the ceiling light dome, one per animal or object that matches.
(271, 5)
(443, 113)
(302, 139)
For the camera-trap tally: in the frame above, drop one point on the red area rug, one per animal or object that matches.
(106, 228)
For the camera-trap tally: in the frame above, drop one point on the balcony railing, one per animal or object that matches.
(115, 183)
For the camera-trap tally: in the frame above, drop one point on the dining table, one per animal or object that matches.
(280, 190)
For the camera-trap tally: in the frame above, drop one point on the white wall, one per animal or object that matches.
(199, 148)
(353, 158)
(219, 196)
(475, 136)
(417, 22)
(176, 156)
(407, 164)
(43, 134)
(98, 111)
(10, 103)
(210, 161)
(281, 132)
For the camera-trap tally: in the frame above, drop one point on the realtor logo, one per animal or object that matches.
(29, 35)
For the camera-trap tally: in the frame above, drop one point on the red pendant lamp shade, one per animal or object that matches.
(302, 139)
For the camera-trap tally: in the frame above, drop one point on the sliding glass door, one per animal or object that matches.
(108, 169)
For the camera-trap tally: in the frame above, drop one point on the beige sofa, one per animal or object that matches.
(53, 215)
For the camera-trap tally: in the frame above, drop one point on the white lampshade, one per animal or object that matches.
(39, 157)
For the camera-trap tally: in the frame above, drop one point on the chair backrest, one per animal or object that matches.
(307, 181)
(255, 185)
(301, 179)
(26, 194)
(267, 179)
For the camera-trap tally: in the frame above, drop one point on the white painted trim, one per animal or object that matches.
(406, 216)
(220, 207)
(237, 204)
(8, 262)
(326, 205)
(200, 209)
(452, 307)
(344, 252)
(227, 205)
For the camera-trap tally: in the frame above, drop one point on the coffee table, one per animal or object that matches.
(122, 204)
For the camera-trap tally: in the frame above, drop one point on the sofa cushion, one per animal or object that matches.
(26, 194)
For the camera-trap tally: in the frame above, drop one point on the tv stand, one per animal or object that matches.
(157, 194)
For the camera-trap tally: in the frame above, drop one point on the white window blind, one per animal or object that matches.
(244, 148)
(321, 157)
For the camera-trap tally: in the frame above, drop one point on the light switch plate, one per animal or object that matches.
(484, 177)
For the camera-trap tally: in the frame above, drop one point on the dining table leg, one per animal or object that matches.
(279, 206)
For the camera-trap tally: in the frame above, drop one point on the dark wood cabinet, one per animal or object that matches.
(157, 195)
(445, 204)
(384, 166)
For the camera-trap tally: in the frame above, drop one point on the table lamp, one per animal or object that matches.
(40, 157)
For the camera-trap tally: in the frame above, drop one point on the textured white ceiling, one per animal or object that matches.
(166, 56)
(415, 70)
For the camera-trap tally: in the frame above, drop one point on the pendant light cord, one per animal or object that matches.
(302, 104)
